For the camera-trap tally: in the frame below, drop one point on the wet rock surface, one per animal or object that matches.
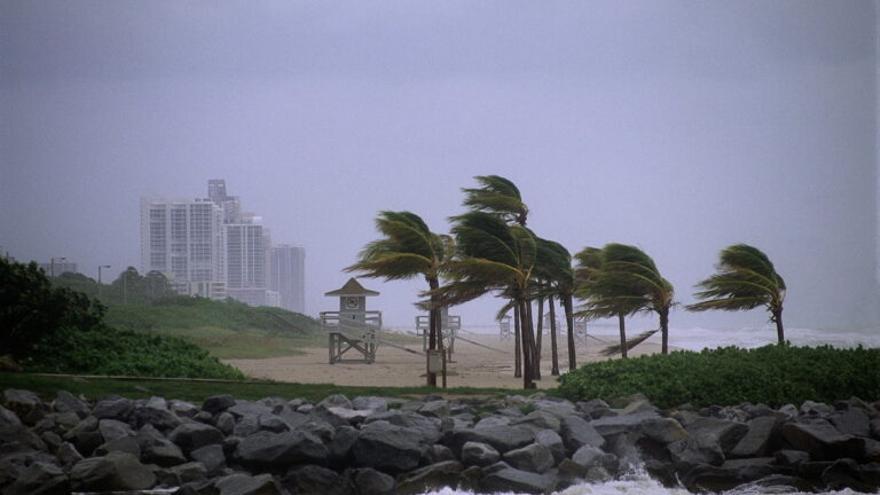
(374, 445)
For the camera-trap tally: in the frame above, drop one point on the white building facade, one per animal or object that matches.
(287, 276)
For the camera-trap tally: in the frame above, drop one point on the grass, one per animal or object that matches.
(198, 390)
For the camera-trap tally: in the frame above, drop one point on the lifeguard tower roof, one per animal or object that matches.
(352, 288)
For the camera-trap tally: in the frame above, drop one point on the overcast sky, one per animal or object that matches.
(678, 126)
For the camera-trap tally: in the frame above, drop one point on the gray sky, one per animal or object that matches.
(678, 126)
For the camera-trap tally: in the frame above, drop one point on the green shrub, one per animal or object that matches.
(773, 375)
(102, 350)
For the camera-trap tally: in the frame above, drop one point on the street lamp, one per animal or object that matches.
(52, 264)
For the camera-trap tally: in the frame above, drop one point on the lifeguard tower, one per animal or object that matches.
(504, 331)
(352, 327)
(449, 327)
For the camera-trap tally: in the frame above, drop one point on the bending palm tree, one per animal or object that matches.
(408, 249)
(554, 265)
(630, 267)
(494, 257)
(745, 279)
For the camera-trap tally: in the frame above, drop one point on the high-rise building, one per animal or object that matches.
(184, 239)
(287, 276)
(246, 263)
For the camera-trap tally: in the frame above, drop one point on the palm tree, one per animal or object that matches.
(554, 266)
(407, 250)
(745, 279)
(604, 296)
(500, 197)
(494, 257)
(630, 267)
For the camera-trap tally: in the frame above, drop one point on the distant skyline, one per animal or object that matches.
(678, 126)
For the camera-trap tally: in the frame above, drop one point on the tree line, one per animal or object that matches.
(491, 250)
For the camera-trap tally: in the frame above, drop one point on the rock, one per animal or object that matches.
(66, 402)
(315, 479)
(155, 412)
(210, 456)
(272, 423)
(853, 421)
(538, 420)
(428, 427)
(8, 418)
(218, 403)
(823, 441)
(501, 438)
(339, 416)
(40, 478)
(438, 453)
(246, 426)
(756, 440)
(115, 471)
(18, 438)
(479, 454)
(429, 478)
(508, 479)
(187, 473)
(696, 450)
(845, 473)
(791, 457)
(243, 484)
(662, 430)
(557, 407)
(435, 408)
(190, 436)
(622, 423)
(576, 433)
(816, 409)
(551, 440)
(336, 400)
(535, 458)
(68, 455)
(182, 408)
(375, 404)
(388, 447)
(64, 421)
(52, 440)
(24, 403)
(266, 450)
(595, 408)
(777, 483)
(368, 481)
(122, 444)
(113, 408)
(244, 408)
(225, 422)
(589, 456)
(160, 451)
(342, 442)
(490, 421)
(112, 429)
(726, 434)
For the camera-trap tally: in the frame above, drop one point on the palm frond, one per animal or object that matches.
(630, 343)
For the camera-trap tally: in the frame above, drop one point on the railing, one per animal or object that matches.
(338, 321)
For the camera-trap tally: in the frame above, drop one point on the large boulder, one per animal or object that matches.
(112, 429)
(823, 441)
(190, 436)
(704, 477)
(761, 431)
(270, 451)
(113, 408)
(430, 478)
(158, 450)
(609, 425)
(853, 421)
(501, 438)
(218, 403)
(588, 457)
(724, 433)
(210, 456)
(576, 433)
(155, 412)
(551, 440)
(40, 478)
(389, 447)
(243, 484)
(26, 404)
(539, 420)
(368, 481)
(115, 471)
(479, 454)
(662, 430)
(66, 402)
(429, 427)
(507, 479)
(315, 479)
(534, 457)
(375, 404)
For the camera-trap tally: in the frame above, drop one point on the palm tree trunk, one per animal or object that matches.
(664, 330)
(539, 338)
(780, 331)
(433, 321)
(622, 322)
(554, 353)
(568, 305)
(517, 342)
(527, 346)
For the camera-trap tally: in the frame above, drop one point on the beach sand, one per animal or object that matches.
(473, 366)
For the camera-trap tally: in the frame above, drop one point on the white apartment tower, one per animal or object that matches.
(184, 239)
(287, 276)
(246, 263)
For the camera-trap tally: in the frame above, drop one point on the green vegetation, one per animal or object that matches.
(101, 350)
(774, 375)
(58, 329)
(199, 390)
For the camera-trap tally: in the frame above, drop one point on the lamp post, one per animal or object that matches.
(52, 265)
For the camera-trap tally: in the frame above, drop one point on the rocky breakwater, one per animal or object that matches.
(372, 445)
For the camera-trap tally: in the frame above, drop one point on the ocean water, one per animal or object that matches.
(639, 483)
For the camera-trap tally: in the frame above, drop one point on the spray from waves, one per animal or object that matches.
(638, 482)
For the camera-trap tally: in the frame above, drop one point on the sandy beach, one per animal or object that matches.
(473, 366)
